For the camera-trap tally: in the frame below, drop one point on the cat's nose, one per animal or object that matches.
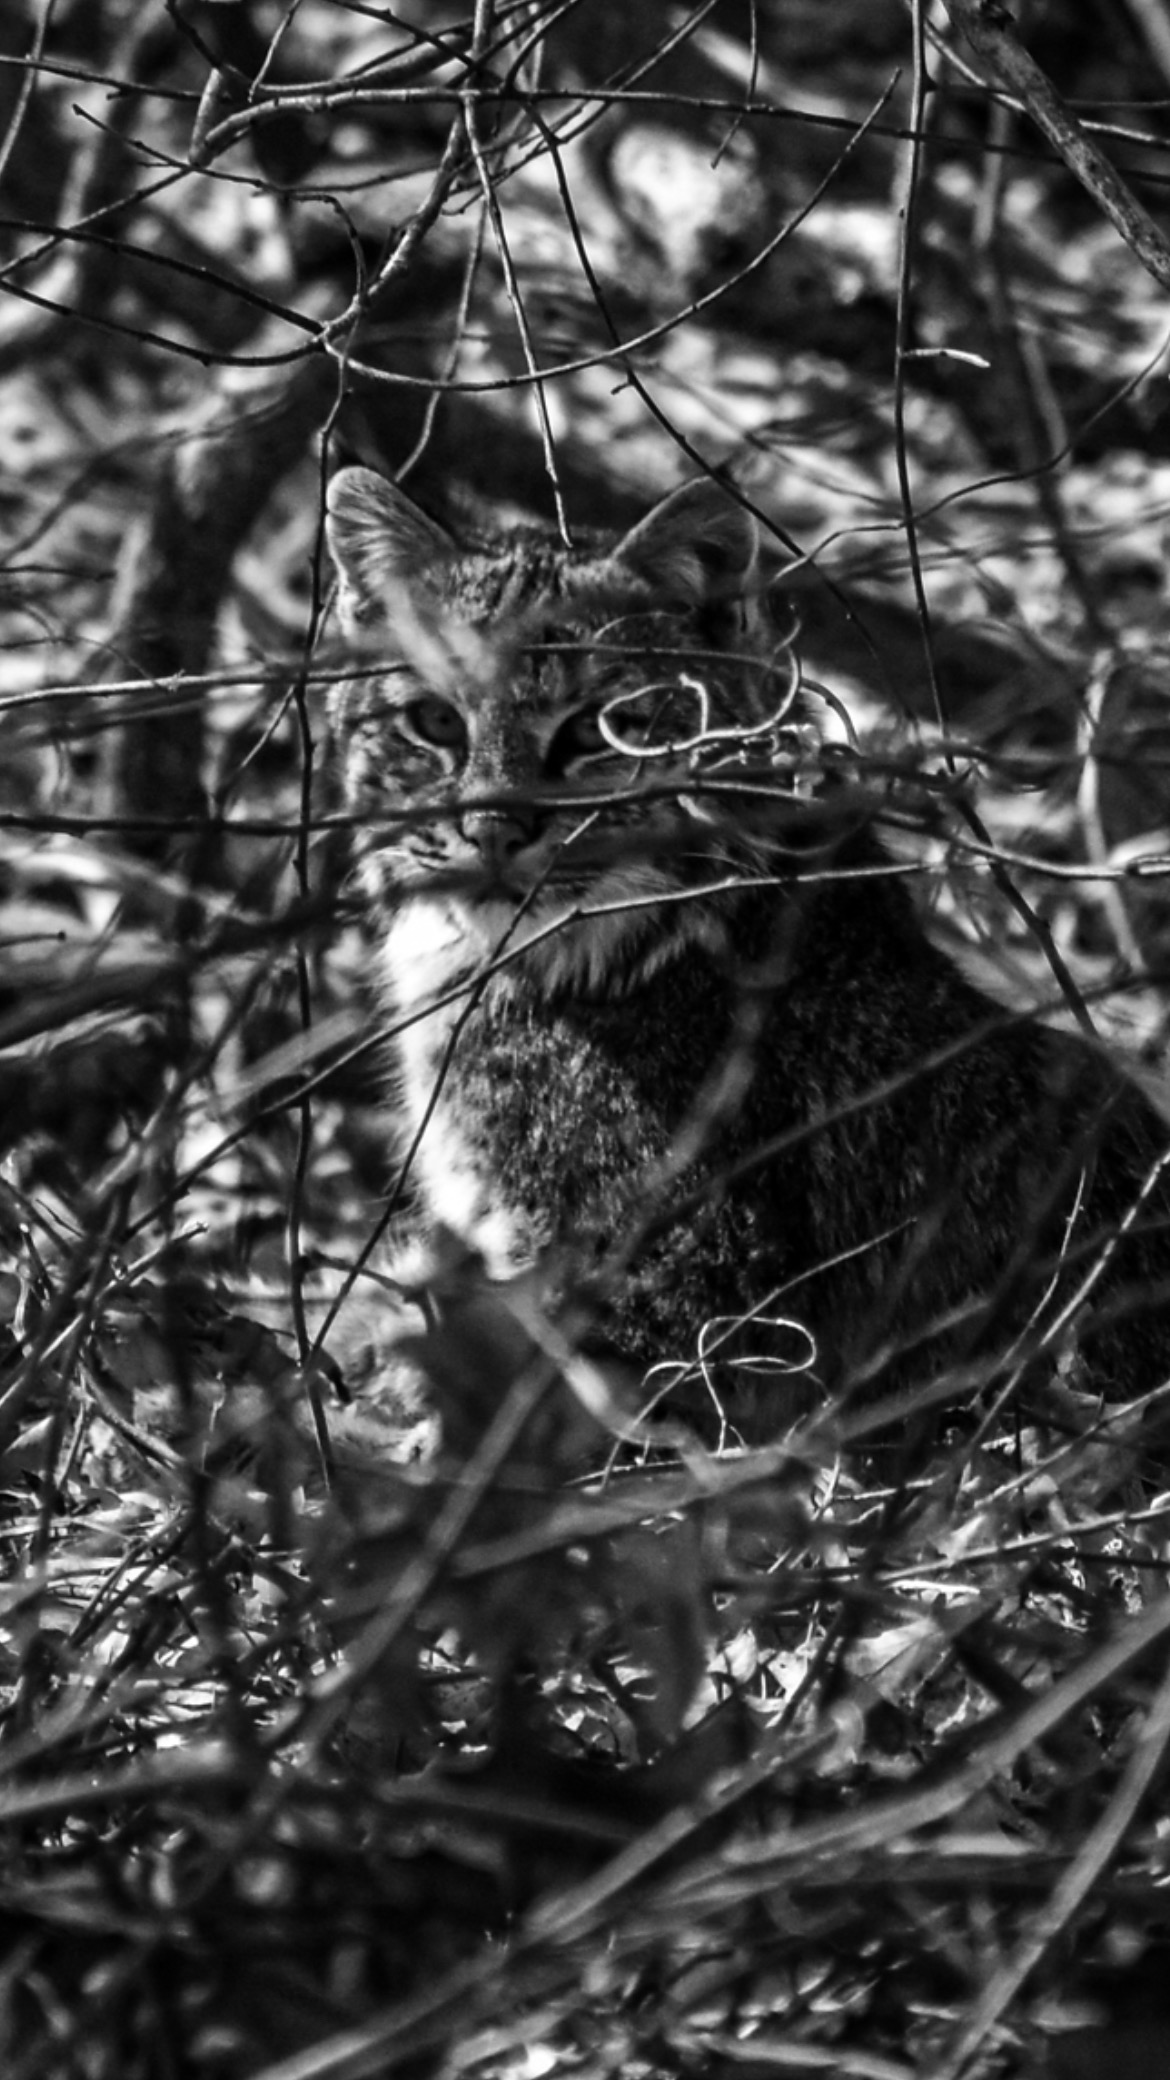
(496, 834)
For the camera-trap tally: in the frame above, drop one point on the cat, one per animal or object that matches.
(662, 1016)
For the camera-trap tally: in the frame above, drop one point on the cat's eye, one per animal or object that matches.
(434, 721)
(581, 736)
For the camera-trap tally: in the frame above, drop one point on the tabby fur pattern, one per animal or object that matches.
(662, 1015)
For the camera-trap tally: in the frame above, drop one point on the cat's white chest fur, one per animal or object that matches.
(432, 969)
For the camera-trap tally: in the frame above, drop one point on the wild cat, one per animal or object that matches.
(663, 1021)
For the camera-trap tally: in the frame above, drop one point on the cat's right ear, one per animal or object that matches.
(382, 544)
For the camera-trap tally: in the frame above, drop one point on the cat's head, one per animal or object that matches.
(532, 723)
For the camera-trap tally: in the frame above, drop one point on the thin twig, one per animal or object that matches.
(988, 28)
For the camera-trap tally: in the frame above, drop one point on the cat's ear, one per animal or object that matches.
(695, 545)
(381, 543)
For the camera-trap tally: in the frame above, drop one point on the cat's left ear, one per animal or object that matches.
(695, 546)
(382, 544)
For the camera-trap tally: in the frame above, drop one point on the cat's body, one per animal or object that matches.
(654, 1014)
